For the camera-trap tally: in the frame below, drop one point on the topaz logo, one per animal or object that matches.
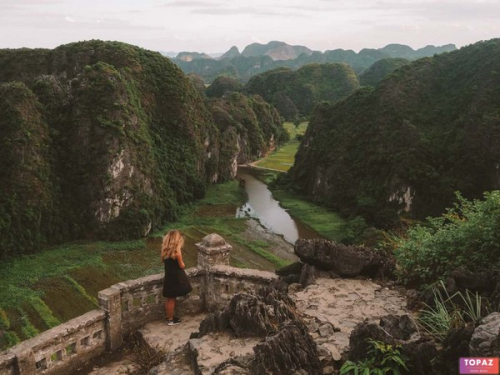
(478, 365)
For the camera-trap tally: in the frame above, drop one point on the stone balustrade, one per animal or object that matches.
(128, 305)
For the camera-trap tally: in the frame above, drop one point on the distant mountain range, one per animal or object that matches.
(258, 58)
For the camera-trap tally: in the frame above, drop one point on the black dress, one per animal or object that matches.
(176, 282)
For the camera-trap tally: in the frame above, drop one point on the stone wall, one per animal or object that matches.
(60, 350)
(128, 305)
(225, 281)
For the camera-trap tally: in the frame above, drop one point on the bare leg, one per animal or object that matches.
(169, 308)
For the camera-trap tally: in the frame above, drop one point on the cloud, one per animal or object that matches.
(216, 11)
(191, 3)
(69, 19)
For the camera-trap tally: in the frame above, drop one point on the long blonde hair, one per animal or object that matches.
(172, 244)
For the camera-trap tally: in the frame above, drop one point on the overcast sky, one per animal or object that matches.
(216, 25)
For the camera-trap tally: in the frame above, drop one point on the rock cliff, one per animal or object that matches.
(104, 140)
(429, 129)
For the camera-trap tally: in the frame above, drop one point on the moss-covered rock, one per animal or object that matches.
(27, 206)
(255, 125)
(100, 140)
(104, 140)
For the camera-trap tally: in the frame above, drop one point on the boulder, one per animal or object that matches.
(310, 273)
(420, 355)
(485, 341)
(290, 351)
(474, 281)
(358, 345)
(419, 351)
(348, 261)
(455, 345)
(251, 314)
(292, 269)
(398, 326)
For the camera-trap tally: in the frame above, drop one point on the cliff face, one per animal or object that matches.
(429, 129)
(249, 128)
(98, 139)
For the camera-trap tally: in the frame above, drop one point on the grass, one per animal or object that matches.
(283, 158)
(449, 312)
(327, 223)
(42, 290)
(259, 247)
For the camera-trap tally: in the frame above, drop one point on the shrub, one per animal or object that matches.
(383, 359)
(467, 236)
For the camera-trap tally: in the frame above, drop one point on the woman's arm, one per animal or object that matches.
(180, 261)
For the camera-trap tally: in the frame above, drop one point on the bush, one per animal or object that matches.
(383, 359)
(467, 236)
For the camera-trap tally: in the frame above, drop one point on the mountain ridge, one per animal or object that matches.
(244, 65)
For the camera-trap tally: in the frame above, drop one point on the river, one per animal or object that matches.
(262, 206)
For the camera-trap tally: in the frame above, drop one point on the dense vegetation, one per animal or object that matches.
(379, 70)
(429, 129)
(295, 93)
(102, 140)
(45, 289)
(249, 127)
(223, 85)
(465, 236)
(258, 58)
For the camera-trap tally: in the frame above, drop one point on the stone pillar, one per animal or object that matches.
(213, 250)
(110, 301)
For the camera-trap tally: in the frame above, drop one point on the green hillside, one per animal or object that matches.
(429, 129)
(104, 140)
(295, 93)
(379, 70)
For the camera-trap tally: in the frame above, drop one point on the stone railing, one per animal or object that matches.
(125, 307)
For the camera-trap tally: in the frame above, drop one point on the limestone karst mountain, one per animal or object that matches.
(276, 50)
(259, 58)
(379, 70)
(429, 129)
(231, 53)
(103, 140)
(190, 56)
(295, 93)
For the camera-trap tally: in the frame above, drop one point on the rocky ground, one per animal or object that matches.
(333, 307)
(330, 309)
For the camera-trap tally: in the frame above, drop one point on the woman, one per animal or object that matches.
(176, 283)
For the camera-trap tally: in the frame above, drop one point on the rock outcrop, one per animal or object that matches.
(343, 260)
(289, 351)
(485, 341)
(419, 351)
(255, 334)
(250, 315)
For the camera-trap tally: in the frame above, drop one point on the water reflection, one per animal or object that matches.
(261, 205)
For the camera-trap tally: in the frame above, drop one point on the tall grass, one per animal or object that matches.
(451, 311)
